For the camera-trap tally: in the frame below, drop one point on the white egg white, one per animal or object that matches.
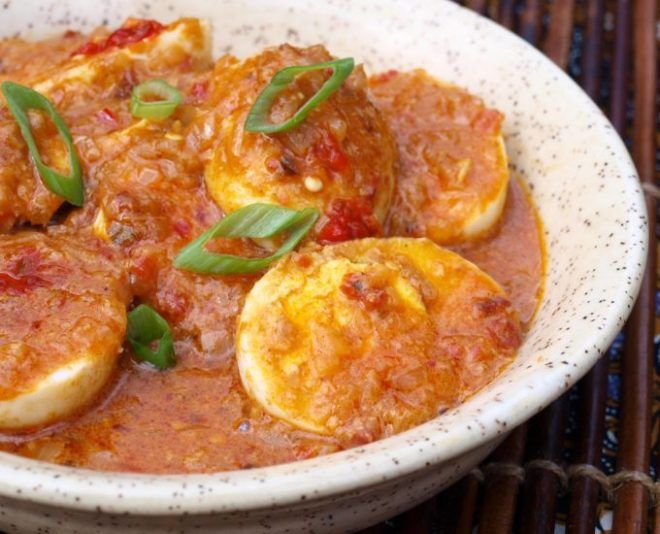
(57, 394)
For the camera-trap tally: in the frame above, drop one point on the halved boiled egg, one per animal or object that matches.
(453, 165)
(367, 338)
(185, 40)
(62, 325)
(79, 89)
(343, 150)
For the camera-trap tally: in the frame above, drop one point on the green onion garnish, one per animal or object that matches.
(254, 221)
(20, 99)
(258, 121)
(145, 325)
(168, 99)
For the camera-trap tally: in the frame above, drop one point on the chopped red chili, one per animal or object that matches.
(20, 273)
(303, 260)
(107, 116)
(331, 153)
(125, 86)
(143, 270)
(360, 287)
(173, 303)
(88, 49)
(199, 91)
(348, 218)
(182, 228)
(135, 31)
(19, 285)
(385, 76)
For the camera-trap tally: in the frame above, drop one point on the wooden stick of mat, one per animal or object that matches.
(544, 448)
(477, 5)
(585, 490)
(631, 508)
(502, 484)
(419, 519)
(557, 43)
(530, 21)
(620, 67)
(457, 506)
(506, 13)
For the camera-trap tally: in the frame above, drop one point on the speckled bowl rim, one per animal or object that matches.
(416, 450)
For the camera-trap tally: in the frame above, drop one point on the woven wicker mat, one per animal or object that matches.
(589, 462)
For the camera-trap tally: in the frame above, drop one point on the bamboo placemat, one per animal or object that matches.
(589, 462)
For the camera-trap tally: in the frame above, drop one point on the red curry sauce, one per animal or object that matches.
(197, 417)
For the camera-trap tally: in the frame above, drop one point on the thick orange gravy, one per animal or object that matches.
(197, 417)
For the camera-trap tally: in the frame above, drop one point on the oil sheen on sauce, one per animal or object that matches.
(197, 417)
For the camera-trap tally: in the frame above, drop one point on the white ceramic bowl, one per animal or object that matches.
(582, 181)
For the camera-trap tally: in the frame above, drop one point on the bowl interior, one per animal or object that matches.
(559, 143)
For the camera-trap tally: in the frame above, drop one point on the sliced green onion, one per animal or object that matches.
(145, 325)
(168, 99)
(20, 99)
(258, 118)
(254, 221)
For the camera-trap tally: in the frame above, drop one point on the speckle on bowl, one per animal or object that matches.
(595, 223)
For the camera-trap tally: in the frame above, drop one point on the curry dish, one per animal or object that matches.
(211, 265)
